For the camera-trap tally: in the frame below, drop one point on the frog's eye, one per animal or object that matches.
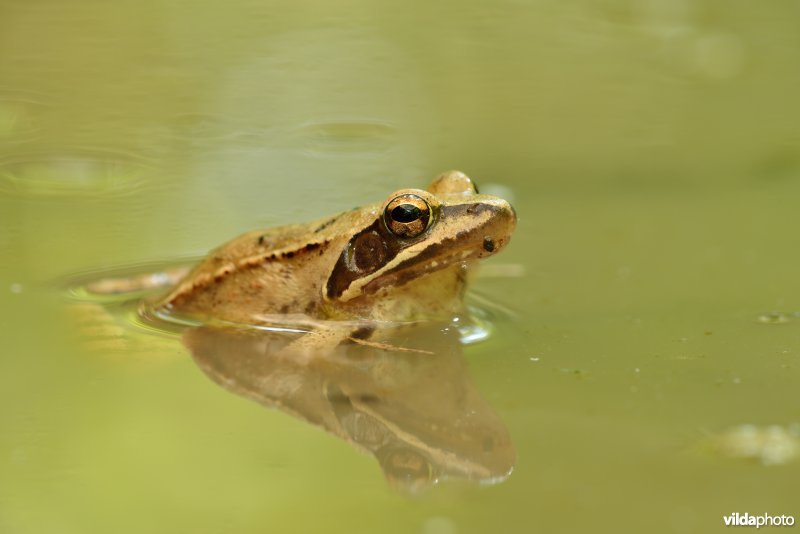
(407, 215)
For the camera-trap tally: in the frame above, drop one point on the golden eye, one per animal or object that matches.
(407, 215)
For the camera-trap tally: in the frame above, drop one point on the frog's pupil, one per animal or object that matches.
(406, 213)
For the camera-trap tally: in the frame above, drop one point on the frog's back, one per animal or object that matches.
(260, 273)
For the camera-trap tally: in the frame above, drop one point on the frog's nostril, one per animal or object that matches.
(488, 244)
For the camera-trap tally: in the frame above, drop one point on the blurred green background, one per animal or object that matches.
(650, 148)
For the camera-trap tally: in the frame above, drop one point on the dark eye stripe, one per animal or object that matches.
(406, 213)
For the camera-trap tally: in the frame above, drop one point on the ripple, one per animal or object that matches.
(121, 293)
(347, 137)
(93, 172)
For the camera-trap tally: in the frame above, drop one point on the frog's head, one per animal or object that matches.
(417, 232)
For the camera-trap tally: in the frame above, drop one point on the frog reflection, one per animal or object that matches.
(416, 412)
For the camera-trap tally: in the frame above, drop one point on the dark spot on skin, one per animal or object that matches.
(261, 240)
(363, 333)
(221, 275)
(488, 244)
(473, 209)
(325, 224)
(288, 254)
(284, 308)
(308, 248)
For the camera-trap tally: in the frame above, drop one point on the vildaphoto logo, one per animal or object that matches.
(764, 520)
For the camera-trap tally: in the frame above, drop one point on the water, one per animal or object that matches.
(653, 153)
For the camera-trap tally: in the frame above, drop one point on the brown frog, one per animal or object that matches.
(402, 260)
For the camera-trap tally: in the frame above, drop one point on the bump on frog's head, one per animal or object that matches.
(418, 232)
(453, 183)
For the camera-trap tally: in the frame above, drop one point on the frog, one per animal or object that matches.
(402, 260)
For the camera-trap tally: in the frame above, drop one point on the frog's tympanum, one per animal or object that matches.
(405, 259)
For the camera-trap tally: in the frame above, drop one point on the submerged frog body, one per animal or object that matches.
(402, 260)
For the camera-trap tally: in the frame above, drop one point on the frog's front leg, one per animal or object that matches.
(324, 340)
(320, 342)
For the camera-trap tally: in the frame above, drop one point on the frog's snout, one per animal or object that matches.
(497, 232)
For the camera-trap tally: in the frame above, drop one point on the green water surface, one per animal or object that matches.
(651, 150)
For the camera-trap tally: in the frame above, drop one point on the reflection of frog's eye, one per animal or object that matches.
(407, 215)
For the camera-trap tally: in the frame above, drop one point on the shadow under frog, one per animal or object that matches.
(417, 413)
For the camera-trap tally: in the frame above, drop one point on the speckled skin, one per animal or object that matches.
(351, 266)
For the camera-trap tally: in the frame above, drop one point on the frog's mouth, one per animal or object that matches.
(444, 248)
(402, 274)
